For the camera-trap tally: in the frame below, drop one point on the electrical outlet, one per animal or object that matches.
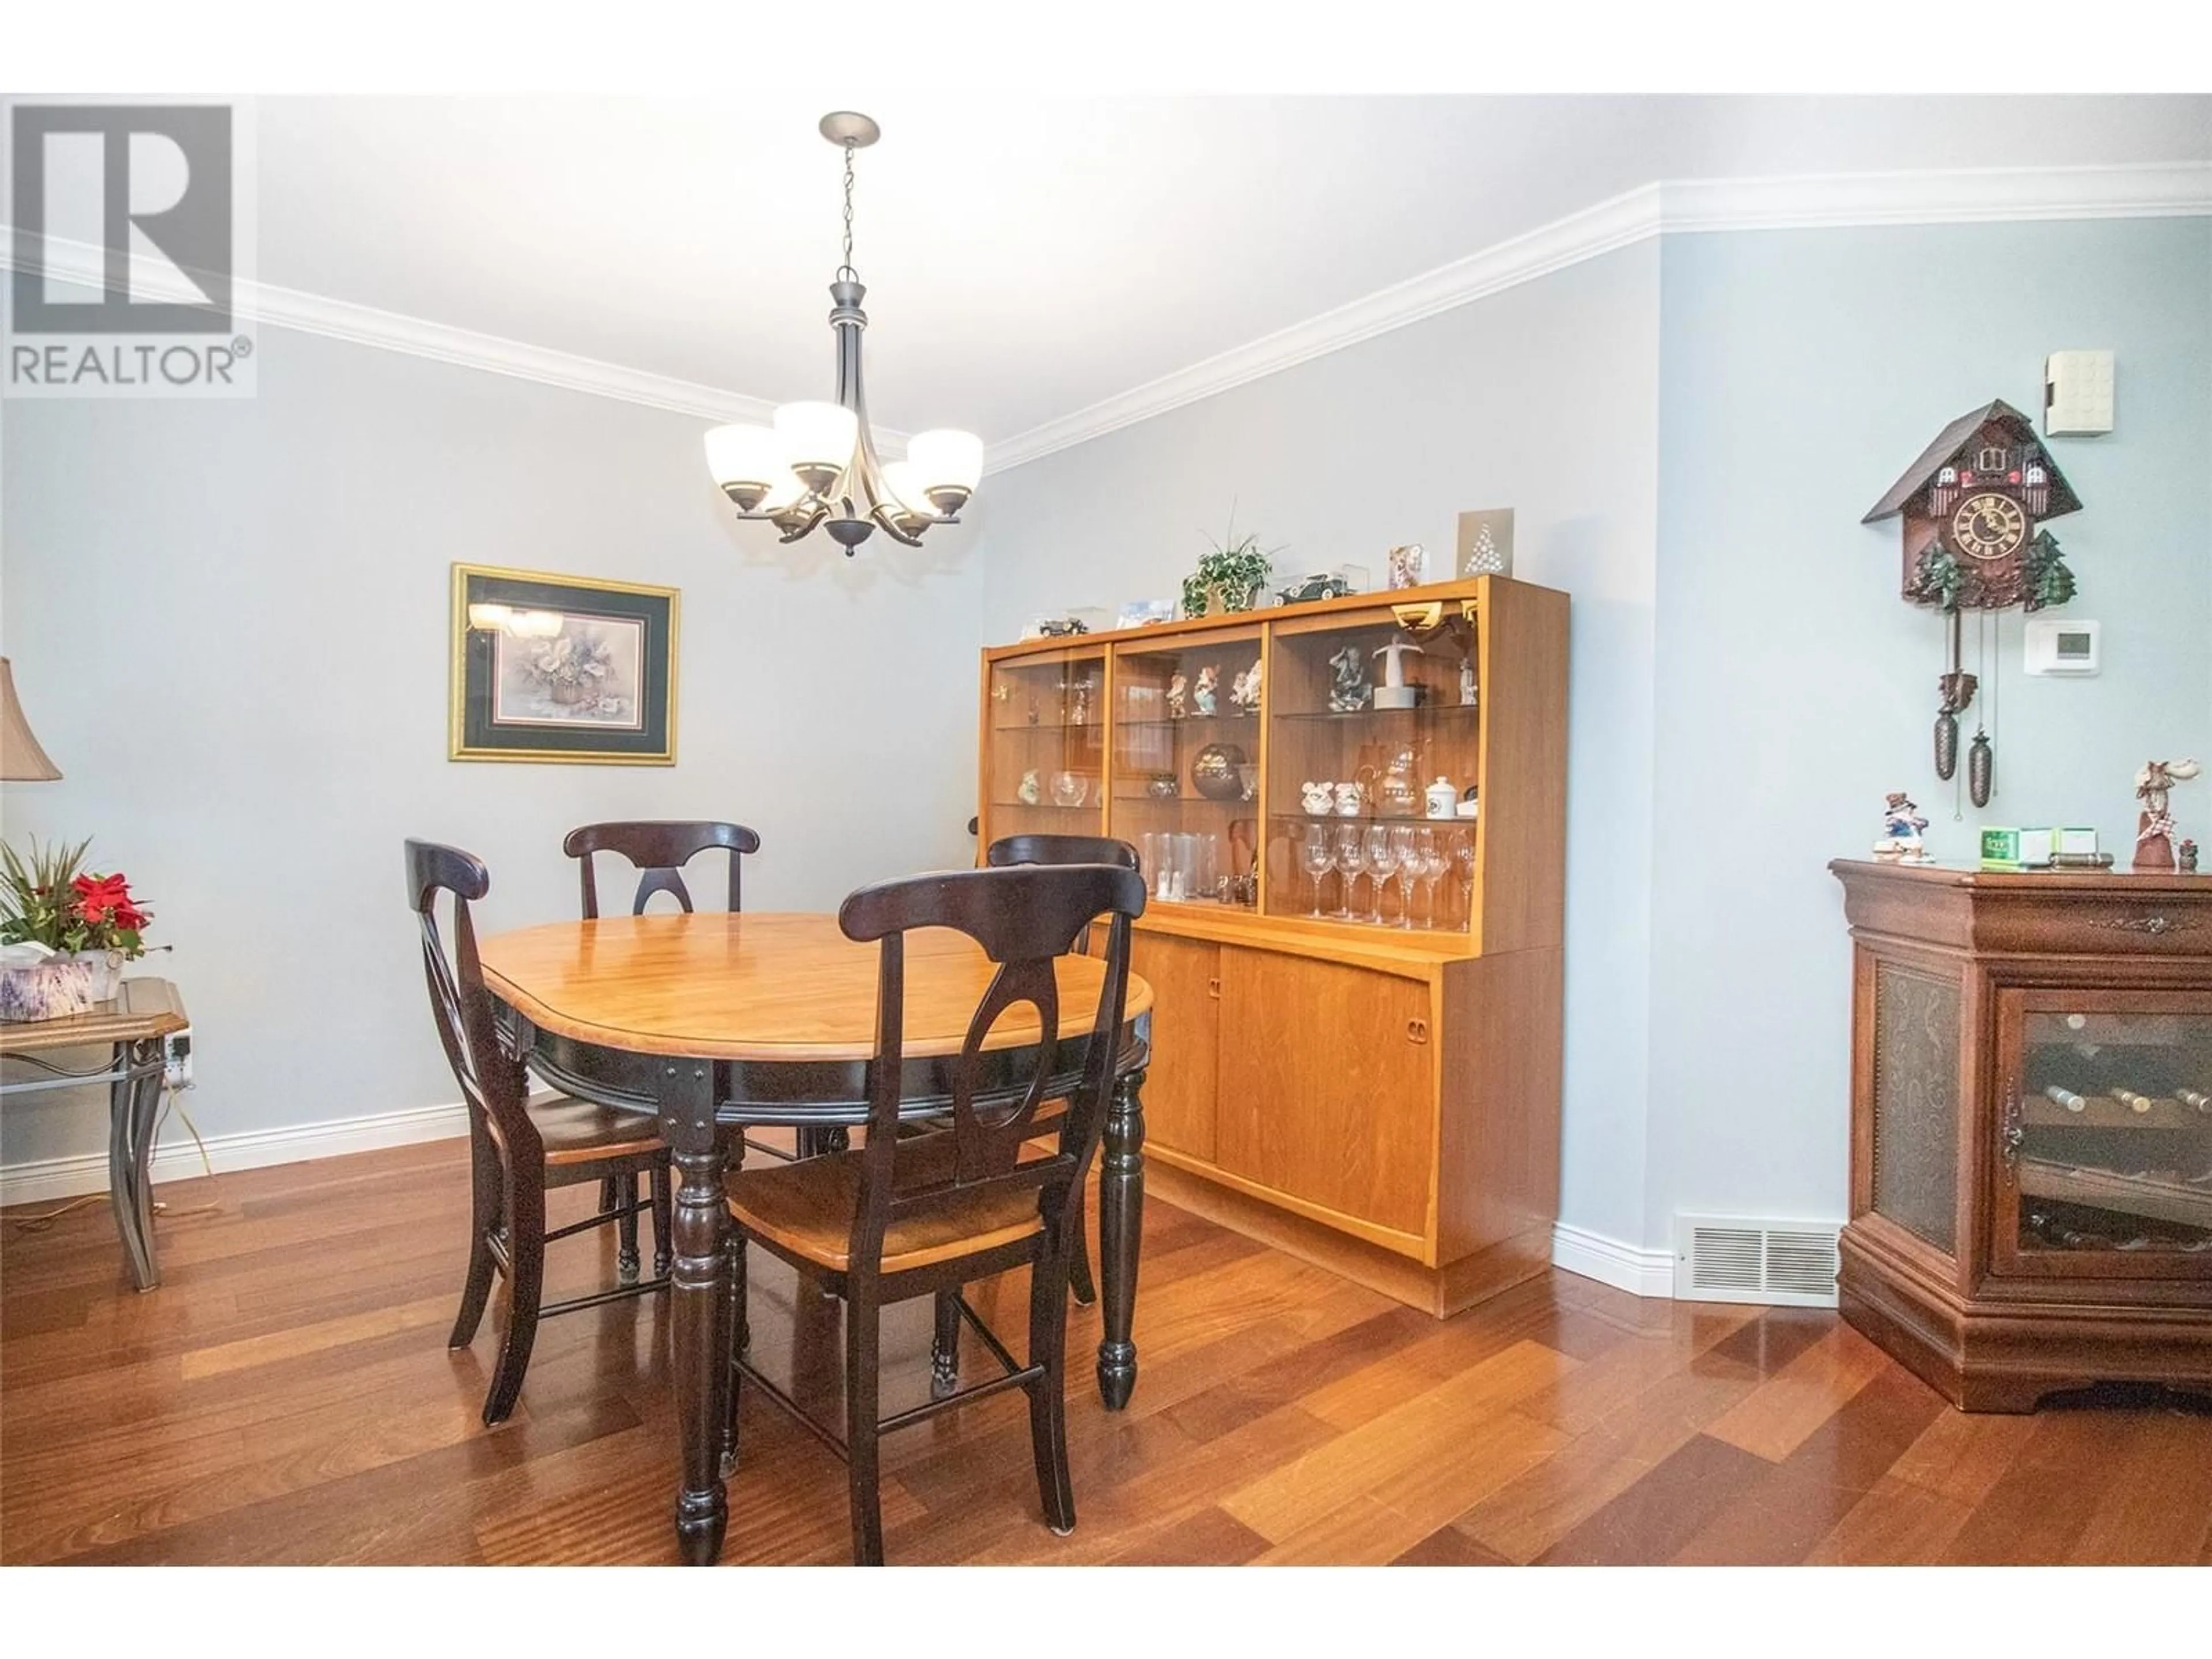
(177, 1058)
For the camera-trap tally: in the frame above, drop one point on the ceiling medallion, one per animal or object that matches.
(817, 464)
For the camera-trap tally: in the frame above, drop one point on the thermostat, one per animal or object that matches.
(2077, 393)
(2061, 646)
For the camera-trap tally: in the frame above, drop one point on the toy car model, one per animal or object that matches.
(1325, 586)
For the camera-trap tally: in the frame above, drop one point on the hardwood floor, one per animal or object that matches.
(287, 1397)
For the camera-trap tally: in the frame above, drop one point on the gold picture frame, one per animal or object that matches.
(560, 669)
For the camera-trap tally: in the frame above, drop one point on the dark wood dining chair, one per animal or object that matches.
(659, 849)
(1003, 854)
(903, 1216)
(517, 1148)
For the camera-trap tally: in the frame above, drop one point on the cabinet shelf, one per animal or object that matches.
(1468, 709)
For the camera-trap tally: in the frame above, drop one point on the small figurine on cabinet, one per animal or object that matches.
(1350, 689)
(1467, 689)
(1202, 697)
(2154, 829)
(1244, 692)
(1319, 799)
(1078, 708)
(1029, 791)
(1901, 824)
(2185, 856)
(1178, 692)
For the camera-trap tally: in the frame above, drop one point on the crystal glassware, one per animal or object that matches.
(1315, 858)
(1409, 869)
(1382, 862)
(1431, 862)
(1462, 857)
(1346, 855)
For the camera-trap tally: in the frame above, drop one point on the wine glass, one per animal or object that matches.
(1382, 862)
(1463, 855)
(1315, 858)
(1344, 855)
(1409, 868)
(1431, 863)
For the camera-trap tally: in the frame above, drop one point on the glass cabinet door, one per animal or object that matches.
(1045, 745)
(1187, 763)
(1372, 788)
(2106, 1133)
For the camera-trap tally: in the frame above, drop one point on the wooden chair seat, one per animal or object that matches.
(805, 1209)
(583, 1132)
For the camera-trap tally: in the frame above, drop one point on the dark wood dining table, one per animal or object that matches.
(717, 1023)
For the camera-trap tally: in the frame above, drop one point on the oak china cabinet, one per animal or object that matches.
(2030, 1127)
(1351, 815)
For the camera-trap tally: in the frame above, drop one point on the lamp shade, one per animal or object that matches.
(817, 440)
(21, 760)
(950, 464)
(746, 462)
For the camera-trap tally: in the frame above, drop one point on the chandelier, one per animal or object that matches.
(817, 464)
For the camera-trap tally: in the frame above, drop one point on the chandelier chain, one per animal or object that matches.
(846, 270)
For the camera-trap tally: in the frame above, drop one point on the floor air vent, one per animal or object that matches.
(1727, 1259)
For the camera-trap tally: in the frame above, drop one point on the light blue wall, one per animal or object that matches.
(1543, 398)
(1801, 372)
(228, 623)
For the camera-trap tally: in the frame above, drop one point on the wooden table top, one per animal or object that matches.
(761, 985)
(143, 1009)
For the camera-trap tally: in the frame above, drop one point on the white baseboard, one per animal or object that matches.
(175, 1158)
(1609, 1261)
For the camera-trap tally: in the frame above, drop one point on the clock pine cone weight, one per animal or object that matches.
(1946, 744)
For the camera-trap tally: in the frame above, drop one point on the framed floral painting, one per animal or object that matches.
(562, 668)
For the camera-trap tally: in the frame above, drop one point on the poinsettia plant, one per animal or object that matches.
(51, 900)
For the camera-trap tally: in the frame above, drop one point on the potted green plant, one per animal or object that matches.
(1231, 576)
(66, 932)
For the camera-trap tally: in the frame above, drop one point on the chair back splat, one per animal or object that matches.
(1023, 917)
(659, 849)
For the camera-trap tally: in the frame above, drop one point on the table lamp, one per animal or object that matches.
(21, 760)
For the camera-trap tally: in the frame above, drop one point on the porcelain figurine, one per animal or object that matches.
(1351, 799)
(2155, 835)
(1350, 689)
(1318, 798)
(1244, 693)
(1078, 713)
(1901, 824)
(1395, 693)
(1467, 690)
(1178, 693)
(2185, 856)
(1202, 697)
(1029, 791)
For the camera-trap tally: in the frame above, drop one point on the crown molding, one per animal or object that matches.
(1834, 201)
(1808, 202)
(264, 304)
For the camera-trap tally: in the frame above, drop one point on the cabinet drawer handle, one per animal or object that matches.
(1417, 1031)
(1214, 989)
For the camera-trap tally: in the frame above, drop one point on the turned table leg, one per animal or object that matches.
(700, 1290)
(1120, 1224)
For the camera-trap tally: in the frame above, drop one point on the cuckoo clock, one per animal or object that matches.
(1974, 507)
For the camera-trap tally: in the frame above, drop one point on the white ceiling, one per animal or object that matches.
(1026, 256)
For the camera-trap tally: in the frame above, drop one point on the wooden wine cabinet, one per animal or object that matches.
(1381, 1098)
(2030, 1127)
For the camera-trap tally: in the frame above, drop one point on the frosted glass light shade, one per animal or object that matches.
(817, 441)
(783, 493)
(909, 491)
(746, 462)
(950, 464)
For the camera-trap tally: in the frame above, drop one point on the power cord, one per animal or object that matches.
(45, 1219)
